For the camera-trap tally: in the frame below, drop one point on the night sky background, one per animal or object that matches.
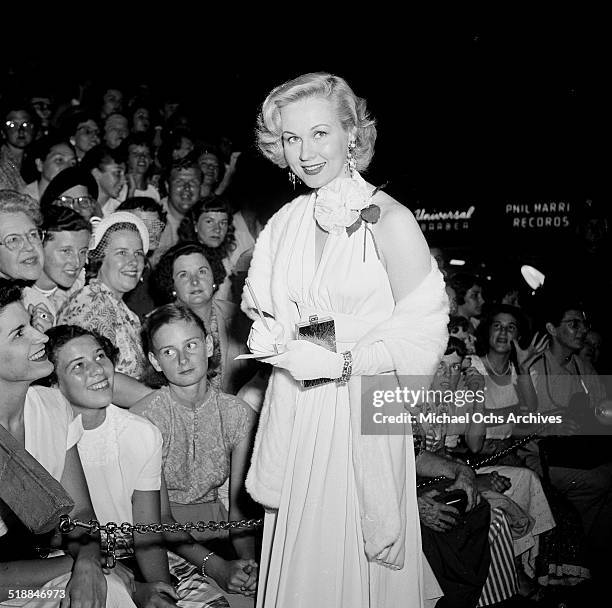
(470, 111)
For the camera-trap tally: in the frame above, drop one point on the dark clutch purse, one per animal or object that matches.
(322, 332)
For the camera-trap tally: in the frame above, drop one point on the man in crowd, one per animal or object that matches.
(580, 462)
(183, 192)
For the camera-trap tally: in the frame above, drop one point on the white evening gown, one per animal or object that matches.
(313, 550)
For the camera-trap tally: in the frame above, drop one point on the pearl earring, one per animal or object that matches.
(174, 294)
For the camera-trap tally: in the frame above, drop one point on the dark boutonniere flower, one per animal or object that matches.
(367, 215)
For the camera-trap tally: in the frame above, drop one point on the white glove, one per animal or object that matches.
(262, 342)
(305, 360)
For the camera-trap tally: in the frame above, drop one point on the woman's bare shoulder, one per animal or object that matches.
(397, 223)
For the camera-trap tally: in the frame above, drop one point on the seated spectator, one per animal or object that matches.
(65, 242)
(153, 217)
(210, 222)
(455, 546)
(184, 276)
(111, 100)
(21, 252)
(505, 367)
(519, 485)
(108, 169)
(115, 129)
(579, 466)
(468, 292)
(452, 299)
(42, 106)
(116, 259)
(184, 180)
(82, 130)
(17, 131)
(139, 162)
(125, 481)
(178, 144)
(438, 254)
(74, 188)
(40, 422)
(51, 155)
(207, 438)
(143, 118)
(216, 179)
(591, 350)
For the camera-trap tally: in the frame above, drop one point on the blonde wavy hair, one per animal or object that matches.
(351, 111)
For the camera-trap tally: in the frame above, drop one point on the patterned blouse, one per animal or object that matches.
(198, 442)
(97, 307)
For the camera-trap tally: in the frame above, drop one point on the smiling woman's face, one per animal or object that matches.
(21, 252)
(84, 373)
(314, 142)
(123, 263)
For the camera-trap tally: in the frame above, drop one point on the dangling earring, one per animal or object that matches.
(214, 287)
(174, 294)
(292, 178)
(350, 158)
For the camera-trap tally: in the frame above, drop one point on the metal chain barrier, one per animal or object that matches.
(67, 525)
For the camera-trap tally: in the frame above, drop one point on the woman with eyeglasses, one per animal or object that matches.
(17, 134)
(82, 130)
(74, 188)
(21, 248)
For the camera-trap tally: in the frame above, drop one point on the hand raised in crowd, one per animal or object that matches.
(131, 184)
(155, 595)
(231, 166)
(235, 576)
(41, 317)
(527, 356)
(436, 515)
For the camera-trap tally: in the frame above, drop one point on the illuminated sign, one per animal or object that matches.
(540, 215)
(446, 220)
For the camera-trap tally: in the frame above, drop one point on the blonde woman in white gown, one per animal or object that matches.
(342, 524)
